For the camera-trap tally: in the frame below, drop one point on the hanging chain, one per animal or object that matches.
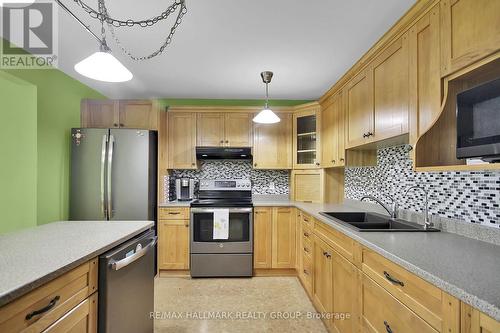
(102, 15)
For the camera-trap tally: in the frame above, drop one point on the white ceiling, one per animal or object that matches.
(222, 46)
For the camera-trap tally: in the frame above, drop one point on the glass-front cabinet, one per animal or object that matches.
(306, 137)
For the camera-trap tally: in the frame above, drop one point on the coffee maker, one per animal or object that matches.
(184, 188)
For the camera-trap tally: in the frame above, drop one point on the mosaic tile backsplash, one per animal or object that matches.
(225, 169)
(472, 196)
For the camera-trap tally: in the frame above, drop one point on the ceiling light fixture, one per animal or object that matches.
(102, 65)
(266, 116)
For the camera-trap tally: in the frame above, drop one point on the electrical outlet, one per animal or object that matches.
(272, 187)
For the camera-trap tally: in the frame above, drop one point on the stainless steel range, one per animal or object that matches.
(222, 229)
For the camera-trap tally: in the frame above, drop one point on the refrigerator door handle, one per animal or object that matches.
(103, 176)
(111, 145)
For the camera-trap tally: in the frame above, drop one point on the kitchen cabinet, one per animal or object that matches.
(74, 299)
(173, 239)
(273, 144)
(307, 185)
(229, 129)
(359, 108)
(306, 134)
(181, 140)
(305, 252)
(390, 90)
(262, 237)
(141, 114)
(474, 321)
(323, 276)
(425, 78)
(332, 132)
(274, 237)
(470, 31)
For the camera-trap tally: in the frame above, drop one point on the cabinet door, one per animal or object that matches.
(307, 185)
(425, 85)
(470, 31)
(182, 140)
(306, 139)
(359, 108)
(323, 281)
(390, 95)
(474, 321)
(328, 135)
(210, 129)
(345, 295)
(99, 114)
(138, 114)
(273, 144)
(81, 319)
(381, 313)
(340, 127)
(173, 244)
(238, 130)
(262, 238)
(283, 235)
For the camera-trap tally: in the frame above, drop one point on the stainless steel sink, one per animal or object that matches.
(373, 222)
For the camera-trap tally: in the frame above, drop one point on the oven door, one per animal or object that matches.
(240, 238)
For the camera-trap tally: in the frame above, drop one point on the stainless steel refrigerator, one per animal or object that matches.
(113, 174)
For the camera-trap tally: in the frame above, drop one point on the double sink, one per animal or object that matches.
(374, 222)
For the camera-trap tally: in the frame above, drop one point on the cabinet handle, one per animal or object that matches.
(387, 327)
(121, 125)
(326, 254)
(255, 164)
(306, 234)
(227, 141)
(365, 135)
(306, 250)
(51, 304)
(174, 213)
(305, 219)
(393, 280)
(115, 125)
(186, 225)
(306, 272)
(369, 134)
(341, 160)
(317, 163)
(221, 141)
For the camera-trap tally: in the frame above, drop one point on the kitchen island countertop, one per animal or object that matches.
(32, 257)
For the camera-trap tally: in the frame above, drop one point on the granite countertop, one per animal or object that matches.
(466, 268)
(34, 256)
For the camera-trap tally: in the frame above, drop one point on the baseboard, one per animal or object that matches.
(275, 272)
(174, 273)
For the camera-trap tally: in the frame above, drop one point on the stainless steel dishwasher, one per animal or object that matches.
(126, 286)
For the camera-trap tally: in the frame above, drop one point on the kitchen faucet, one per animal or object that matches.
(393, 211)
(427, 223)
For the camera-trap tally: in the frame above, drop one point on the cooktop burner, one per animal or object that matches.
(222, 203)
(224, 193)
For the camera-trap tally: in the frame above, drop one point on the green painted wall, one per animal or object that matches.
(18, 153)
(228, 102)
(58, 105)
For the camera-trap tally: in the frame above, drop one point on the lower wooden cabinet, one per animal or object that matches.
(323, 276)
(65, 304)
(345, 303)
(173, 244)
(474, 321)
(274, 237)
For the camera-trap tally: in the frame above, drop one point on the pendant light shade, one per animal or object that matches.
(266, 116)
(103, 66)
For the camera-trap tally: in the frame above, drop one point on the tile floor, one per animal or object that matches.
(233, 305)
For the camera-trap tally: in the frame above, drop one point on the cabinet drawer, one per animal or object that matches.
(341, 243)
(306, 274)
(420, 296)
(307, 247)
(81, 319)
(308, 220)
(381, 312)
(62, 294)
(174, 213)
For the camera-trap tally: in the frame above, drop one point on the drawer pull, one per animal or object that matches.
(306, 272)
(393, 280)
(387, 327)
(306, 234)
(174, 213)
(49, 306)
(306, 220)
(326, 254)
(306, 250)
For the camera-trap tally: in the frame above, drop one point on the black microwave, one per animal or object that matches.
(478, 122)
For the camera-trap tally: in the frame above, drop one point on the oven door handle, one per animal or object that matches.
(211, 210)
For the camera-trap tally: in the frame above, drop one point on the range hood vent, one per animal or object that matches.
(223, 153)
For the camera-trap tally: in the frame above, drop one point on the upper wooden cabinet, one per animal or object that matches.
(470, 31)
(332, 132)
(425, 79)
(229, 129)
(274, 237)
(359, 108)
(181, 140)
(141, 114)
(390, 90)
(272, 147)
(306, 134)
(307, 185)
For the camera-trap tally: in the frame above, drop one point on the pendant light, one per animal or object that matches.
(266, 116)
(103, 66)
